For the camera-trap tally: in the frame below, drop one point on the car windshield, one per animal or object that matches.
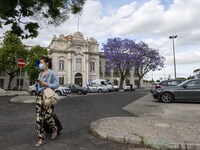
(181, 84)
(76, 86)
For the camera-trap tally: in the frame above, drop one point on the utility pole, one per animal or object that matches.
(173, 37)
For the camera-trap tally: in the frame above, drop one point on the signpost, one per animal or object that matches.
(21, 64)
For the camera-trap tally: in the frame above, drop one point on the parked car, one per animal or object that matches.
(61, 90)
(116, 87)
(95, 88)
(188, 90)
(129, 87)
(75, 88)
(104, 83)
(166, 83)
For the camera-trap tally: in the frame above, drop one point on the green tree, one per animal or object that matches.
(11, 51)
(24, 15)
(33, 55)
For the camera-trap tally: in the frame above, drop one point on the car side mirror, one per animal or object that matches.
(185, 86)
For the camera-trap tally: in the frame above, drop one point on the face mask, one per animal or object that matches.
(41, 66)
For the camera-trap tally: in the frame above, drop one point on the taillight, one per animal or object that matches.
(159, 86)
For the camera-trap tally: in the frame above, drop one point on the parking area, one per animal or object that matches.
(148, 106)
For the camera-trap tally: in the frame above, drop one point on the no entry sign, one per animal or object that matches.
(21, 63)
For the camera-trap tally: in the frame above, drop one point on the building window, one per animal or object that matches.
(61, 80)
(92, 66)
(61, 64)
(78, 64)
(107, 70)
(135, 72)
(127, 81)
(116, 72)
(100, 69)
(2, 83)
(115, 82)
(21, 83)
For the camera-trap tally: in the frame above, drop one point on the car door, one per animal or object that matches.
(92, 88)
(88, 88)
(191, 90)
(73, 90)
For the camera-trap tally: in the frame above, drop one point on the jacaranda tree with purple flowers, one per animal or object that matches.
(124, 55)
(148, 59)
(120, 54)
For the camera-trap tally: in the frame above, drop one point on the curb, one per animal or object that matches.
(9, 95)
(24, 99)
(135, 139)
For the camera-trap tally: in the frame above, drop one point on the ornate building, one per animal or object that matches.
(75, 60)
(78, 60)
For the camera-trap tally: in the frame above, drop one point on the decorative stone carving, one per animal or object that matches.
(78, 36)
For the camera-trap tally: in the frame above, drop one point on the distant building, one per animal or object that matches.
(75, 60)
(196, 74)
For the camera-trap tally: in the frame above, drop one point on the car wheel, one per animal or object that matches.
(58, 92)
(33, 93)
(79, 92)
(100, 91)
(166, 97)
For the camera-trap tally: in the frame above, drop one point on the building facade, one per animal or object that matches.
(75, 60)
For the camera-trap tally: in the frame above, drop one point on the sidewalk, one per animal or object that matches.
(159, 126)
(21, 97)
(12, 93)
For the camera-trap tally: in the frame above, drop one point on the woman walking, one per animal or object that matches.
(46, 78)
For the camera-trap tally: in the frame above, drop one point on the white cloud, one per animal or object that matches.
(149, 21)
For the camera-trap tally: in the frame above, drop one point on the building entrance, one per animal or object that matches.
(79, 79)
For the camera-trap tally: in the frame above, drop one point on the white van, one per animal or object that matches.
(116, 87)
(104, 83)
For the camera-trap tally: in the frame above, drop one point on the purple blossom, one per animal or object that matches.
(126, 54)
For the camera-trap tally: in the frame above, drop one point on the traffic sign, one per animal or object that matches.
(21, 63)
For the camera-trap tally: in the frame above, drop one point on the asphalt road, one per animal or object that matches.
(17, 125)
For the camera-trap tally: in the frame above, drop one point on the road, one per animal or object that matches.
(17, 126)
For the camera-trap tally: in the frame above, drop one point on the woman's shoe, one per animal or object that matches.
(40, 143)
(54, 134)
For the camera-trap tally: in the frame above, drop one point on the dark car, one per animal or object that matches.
(75, 88)
(188, 90)
(166, 83)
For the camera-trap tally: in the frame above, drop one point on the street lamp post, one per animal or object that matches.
(173, 37)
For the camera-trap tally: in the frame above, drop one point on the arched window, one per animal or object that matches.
(61, 64)
(92, 66)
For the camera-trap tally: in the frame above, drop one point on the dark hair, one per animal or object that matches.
(47, 60)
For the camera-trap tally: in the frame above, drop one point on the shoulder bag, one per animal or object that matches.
(50, 96)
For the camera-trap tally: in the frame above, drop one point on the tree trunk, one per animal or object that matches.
(121, 82)
(10, 81)
(139, 82)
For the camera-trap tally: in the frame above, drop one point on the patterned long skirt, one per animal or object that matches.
(43, 112)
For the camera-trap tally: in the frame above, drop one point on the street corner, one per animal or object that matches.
(97, 130)
(116, 129)
(148, 132)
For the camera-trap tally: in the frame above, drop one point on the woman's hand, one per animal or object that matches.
(43, 84)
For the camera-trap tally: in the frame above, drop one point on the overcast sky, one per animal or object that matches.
(151, 21)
